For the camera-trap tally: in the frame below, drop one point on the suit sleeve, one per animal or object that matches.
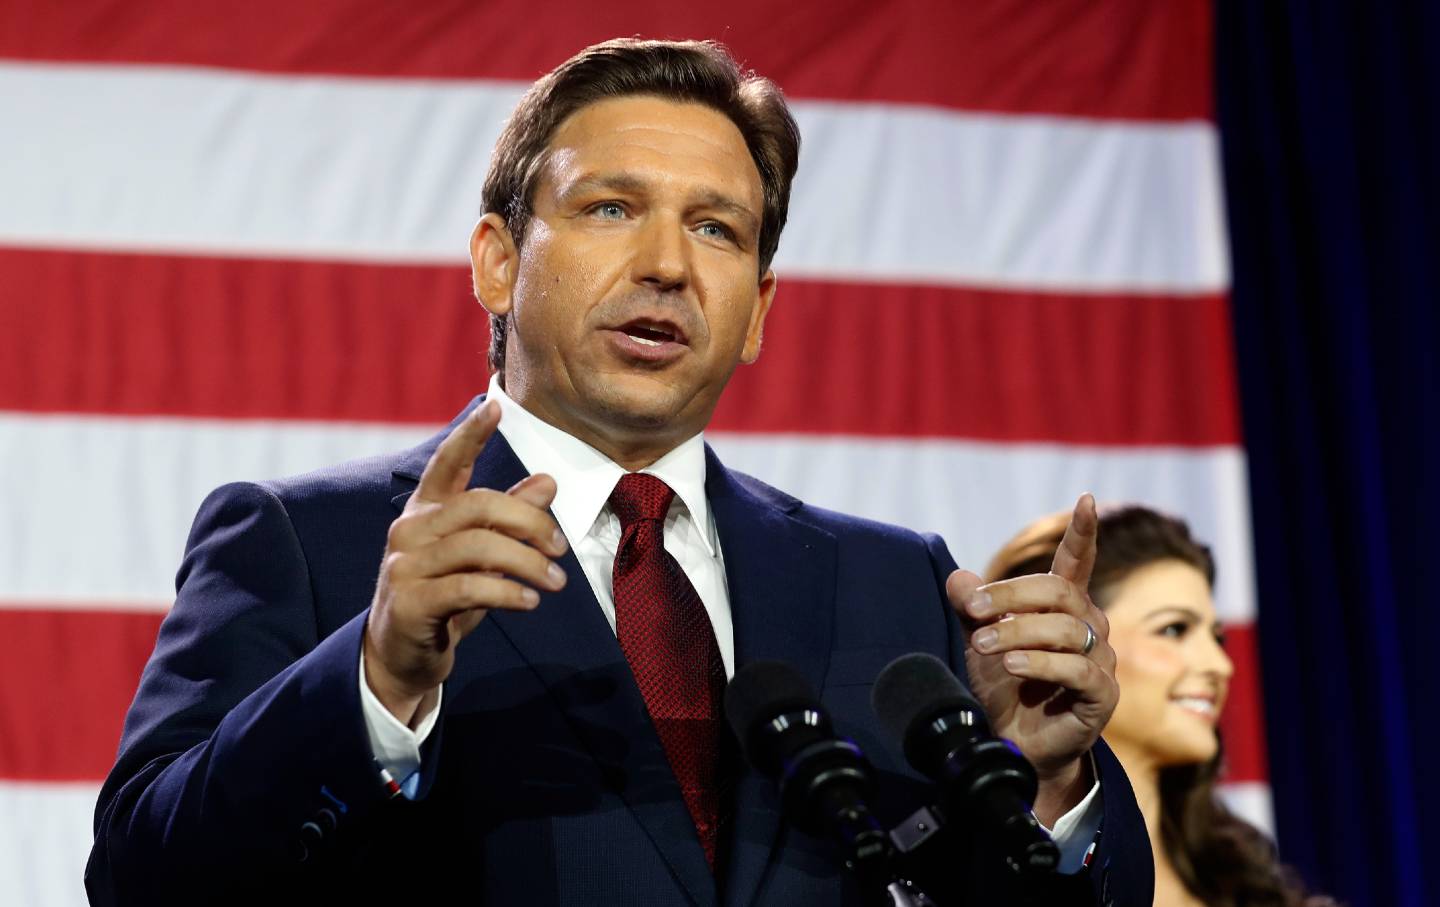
(1120, 872)
(246, 725)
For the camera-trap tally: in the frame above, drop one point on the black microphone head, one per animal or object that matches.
(946, 737)
(760, 691)
(914, 688)
(823, 780)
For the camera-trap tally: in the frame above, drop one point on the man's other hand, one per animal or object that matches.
(1028, 665)
(450, 557)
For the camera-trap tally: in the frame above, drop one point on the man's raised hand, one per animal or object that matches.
(450, 557)
(1028, 663)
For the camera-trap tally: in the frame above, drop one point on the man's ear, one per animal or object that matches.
(755, 332)
(494, 264)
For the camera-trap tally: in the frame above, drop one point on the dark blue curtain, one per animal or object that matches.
(1330, 127)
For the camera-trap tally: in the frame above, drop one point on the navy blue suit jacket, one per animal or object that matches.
(543, 782)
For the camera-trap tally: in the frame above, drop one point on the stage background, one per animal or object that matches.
(232, 246)
(1330, 115)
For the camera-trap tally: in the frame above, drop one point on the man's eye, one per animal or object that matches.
(609, 210)
(716, 230)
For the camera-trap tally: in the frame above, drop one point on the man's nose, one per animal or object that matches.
(661, 258)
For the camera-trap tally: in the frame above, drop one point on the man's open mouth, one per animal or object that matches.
(651, 333)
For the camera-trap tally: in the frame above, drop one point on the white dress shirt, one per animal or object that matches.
(584, 478)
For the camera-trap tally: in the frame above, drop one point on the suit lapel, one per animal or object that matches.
(570, 646)
(781, 576)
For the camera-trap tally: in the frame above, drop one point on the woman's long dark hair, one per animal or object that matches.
(1222, 859)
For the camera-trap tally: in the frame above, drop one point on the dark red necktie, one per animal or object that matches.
(667, 639)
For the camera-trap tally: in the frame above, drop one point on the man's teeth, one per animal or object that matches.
(1204, 706)
(645, 340)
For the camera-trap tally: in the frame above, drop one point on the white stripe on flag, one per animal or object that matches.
(101, 507)
(106, 504)
(1252, 802)
(977, 495)
(44, 842)
(192, 160)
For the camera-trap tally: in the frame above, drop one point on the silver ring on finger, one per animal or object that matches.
(1090, 638)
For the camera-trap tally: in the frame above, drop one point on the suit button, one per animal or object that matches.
(310, 837)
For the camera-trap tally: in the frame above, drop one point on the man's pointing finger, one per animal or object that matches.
(448, 472)
(1075, 558)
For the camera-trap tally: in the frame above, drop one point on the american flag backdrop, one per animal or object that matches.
(233, 246)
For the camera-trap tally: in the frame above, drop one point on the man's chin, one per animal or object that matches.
(644, 403)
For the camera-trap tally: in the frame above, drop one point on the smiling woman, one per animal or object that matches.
(1154, 582)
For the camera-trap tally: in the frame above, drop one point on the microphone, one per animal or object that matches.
(825, 781)
(946, 737)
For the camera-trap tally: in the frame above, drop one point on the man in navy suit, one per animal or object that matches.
(309, 731)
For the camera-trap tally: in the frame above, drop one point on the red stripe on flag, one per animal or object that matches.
(120, 334)
(65, 682)
(1242, 724)
(1065, 58)
(990, 365)
(70, 675)
(264, 339)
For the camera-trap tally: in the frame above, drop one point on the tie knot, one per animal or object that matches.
(639, 496)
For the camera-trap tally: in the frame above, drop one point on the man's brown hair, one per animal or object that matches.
(701, 72)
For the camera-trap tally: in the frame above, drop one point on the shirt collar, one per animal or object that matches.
(584, 477)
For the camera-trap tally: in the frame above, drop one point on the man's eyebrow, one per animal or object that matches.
(604, 182)
(731, 206)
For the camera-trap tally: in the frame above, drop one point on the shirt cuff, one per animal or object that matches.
(396, 747)
(1074, 833)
